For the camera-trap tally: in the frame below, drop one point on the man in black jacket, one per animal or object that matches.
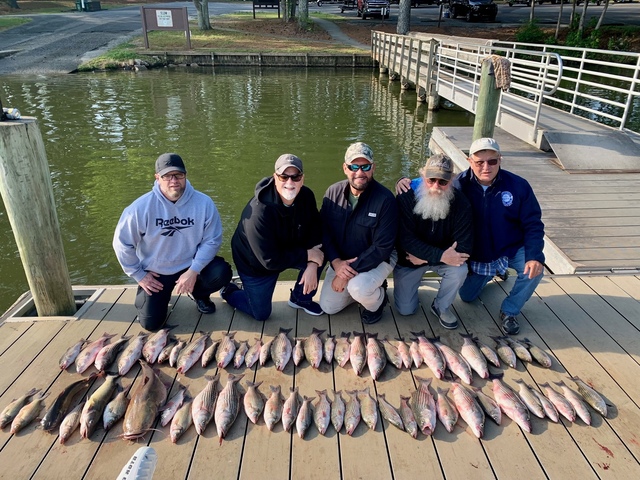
(359, 218)
(435, 234)
(280, 228)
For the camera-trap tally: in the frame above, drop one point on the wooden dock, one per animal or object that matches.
(588, 324)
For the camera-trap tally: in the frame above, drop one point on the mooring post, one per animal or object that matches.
(25, 185)
(488, 101)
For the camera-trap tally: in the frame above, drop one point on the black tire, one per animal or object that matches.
(387, 16)
(511, 4)
(493, 19)
(468, 17)
(454, 12)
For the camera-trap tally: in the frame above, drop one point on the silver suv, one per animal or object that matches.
(370, 8)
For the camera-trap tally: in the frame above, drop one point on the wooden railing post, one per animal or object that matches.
(25, 185)
(488, 102)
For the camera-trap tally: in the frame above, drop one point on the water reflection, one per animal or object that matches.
(102, 133)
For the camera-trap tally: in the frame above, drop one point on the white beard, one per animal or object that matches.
(289, 195)
(432, 203)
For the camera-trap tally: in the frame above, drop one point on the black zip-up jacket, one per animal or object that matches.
(428, 239)
(271, 237)
(368, 232)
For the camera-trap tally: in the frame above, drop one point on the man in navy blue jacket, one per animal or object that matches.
(508, 230)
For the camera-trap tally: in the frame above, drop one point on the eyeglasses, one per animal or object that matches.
(168, 176)
(365, 168)
(441, 182)
(492, 161)
(283, 177)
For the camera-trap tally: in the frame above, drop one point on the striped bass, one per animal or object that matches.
(538, 354)
(549, 408)
(208, 354)
(343, 348)
(576, 401)
(408, 418)
(405, 353)
(431, 355)
(70, 355)
(563, 406)
(226, 350)
(61, 405)
(392, 354)
(181, 421)
(489, 405)
(203, 406)
(376, 357)
(328, 348)
(592, 397)
(131, 354)
(28, 413)
(172, 406)
(241, 351)
(116, 408)
(322, 412)
(488, 352)
(107, 354)
(94, 407)
(358, 353)
(455, 362)
(88, 355)
(290, 409)
(70, 423)
(227, 406)
(338, 408)
(253, 401)
(389, 412)
(147, 397)
(529, 399)
(281, 349)
(305, 417)
(273, 407)
(175, 353)
(511, 404)
(424, 406)
(313, 348)
(468, 408)
(352, 412)
(506, 354)
(369, 409)
(414, 351)
(474, 356)
(191, 353)
(10, 411)
(447, 413)
(520, 350)
(155, 344)
(253, 354)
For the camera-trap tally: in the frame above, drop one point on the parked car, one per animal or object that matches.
(370, 8)
(418, 3)
(473, 9)
(524, 2)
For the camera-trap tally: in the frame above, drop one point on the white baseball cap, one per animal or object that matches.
(484, 144)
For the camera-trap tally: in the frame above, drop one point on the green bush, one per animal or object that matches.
(531, 33)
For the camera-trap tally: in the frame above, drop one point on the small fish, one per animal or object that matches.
(166, 351)
(455, 362)
(88, 355)
(431, 355)
(28, 413)
(322, 412)
(392, 354)
(70, 423)
(265, 353)
(424, 406)
(181, 421)
(389, 412)
(408, 418)
(298, 351)
(172, 406)
(529, 399)
(511, 404)
(155, 344)
(281, 349)
(343, 347)
(115, 409)
(376, 356)
(175, 353)
(107, 354)
(563, 406)
(70, 355)
(338, 408)
(313, 348)
(538, 354)
(329, 347)
(94, 407)
(241, 351)
(290, 409)
(468, 408)
(358, 353)
(592, 397)
(352, 414)
(203, 406)
(414, 351)
(488, 352)
(405, 353)
(576, 401)
(273, 407)
(549, 408)
(474, 356)
(209, 353)
(253, 401)
(226, 350)
(191, 353)
(447, 413)
(520, 349)
(506, 354)
(489, 405)
(10, 411)
(369, 409)
(305, 417)
(253, 354)
(131, 354)
(227, 406)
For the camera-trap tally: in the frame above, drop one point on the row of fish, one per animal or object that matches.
(363, 350)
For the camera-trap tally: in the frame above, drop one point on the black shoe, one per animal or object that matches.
(205, 306)
(228, 290)
(368, 317)
(309, 306)
(510, 324)
(447, 319)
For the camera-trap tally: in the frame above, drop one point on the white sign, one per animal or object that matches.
(164, 18)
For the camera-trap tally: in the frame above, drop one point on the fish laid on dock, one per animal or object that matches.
(89, 353)
(71, 354)
(62, 404)
(10, 411)
(147, 397)
(227, 406)
(28, 413)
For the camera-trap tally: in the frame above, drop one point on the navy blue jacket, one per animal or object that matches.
(506, 217)
(368, 232)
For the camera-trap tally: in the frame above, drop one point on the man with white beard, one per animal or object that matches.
(280, 228)
(435, 234)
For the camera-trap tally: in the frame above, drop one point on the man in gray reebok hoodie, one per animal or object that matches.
(169, 238)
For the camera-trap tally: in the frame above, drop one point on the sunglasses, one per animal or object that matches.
(441, 182)
(365, 168)
(283, 177)
(480, 163)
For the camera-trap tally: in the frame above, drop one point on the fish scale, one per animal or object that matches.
(166, 351)
(95, 405)
(376, 356)
(474, 356)
(28, 413)
(253, 401)
(181, 421)
(298, 351)
(338, 408)
(447, 413)
(322, 412)
(468, 408)
(424, 406)
(414, 351)
(226, 350)
(352, 413)
(253, 354)
(242, 350)
(155, 344)
(281, 349)
(511, 405)
(489, 405)
(290, 409)
(369, 409)
(538, 354)
(403, 350)
(358, 353)
(305, 416)
(488, 352)
(227, 406)
(71, 354)
(389, 412)
(430, 354)
(313, 348)
(549, 408)
(172, 406)
(115, 409)
(520, 350)
(328, 348)
(455, 362)
(408, 418)
(208, 354)
(343, 348)
(529, 399)
(202, 407)
(392, 354)
(273, 407)
(563, 406)
(506, 354)
(592, 397)
(578, 404)
(191, 353)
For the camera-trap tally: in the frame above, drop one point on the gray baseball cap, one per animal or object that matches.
(287, 160)
(358, 150)
(439, 166)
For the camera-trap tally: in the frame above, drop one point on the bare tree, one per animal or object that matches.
(303, 13)
(582, 17)
(404, 17)
(202, 8)
(532, 16)
(604, 11)
(559, 20)
(573, 12)
(11, 3)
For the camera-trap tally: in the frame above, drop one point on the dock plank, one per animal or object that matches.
(12, 331)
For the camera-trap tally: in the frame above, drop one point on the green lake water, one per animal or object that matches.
(103, 132)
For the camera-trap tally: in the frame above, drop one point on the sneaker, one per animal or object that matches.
(510, 324)
(503, 276)
(205, 306)
(447, 319)
(310, 307)
(228, 290)
(368, 317)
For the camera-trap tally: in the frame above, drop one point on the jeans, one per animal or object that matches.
(406, 281)
(519, 294)
(256, 294)
(152, 309)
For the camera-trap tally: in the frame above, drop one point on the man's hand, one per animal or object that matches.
(309, 278)
(149, 283)
(453, 258)
(533, 268)
(338, 284)
(403, 185)
(186, 282)
(343, 269)
(415, 260)
(315, 255)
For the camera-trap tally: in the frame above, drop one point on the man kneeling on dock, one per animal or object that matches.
(169, 238)
(435, 234)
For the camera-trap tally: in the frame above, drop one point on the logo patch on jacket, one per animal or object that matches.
(507, 199)
(373, 214)
(173, 225)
